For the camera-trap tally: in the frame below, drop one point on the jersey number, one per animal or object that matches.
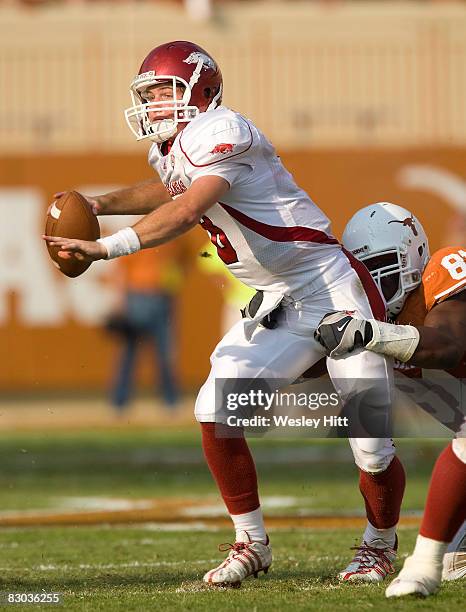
(217, 236)
(455, 264)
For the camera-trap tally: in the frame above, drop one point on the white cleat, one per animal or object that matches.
(244, 559)
(454, 560)
(417, 577)
(371, 563)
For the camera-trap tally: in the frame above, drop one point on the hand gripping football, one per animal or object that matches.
(70, 216)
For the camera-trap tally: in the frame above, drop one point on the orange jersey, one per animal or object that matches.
(444, 276)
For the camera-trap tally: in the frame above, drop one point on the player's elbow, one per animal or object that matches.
(189, 217)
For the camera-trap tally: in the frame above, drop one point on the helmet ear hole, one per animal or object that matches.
(421, 250)
(207, 93)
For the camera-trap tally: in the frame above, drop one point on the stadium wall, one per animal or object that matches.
(364, 100)
(50, 326)
(309, 74)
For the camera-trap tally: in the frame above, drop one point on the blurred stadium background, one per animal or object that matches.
(364, 102)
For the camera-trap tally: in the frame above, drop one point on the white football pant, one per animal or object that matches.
(285, 352)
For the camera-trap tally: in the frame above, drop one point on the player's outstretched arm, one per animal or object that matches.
(440, 343)
(139, 199)
(183, 213)
(162, 225)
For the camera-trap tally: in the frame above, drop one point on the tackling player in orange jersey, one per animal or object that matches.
(429, 331)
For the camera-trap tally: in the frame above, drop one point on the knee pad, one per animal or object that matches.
(372, 455)
(459, 448)
(204, 407)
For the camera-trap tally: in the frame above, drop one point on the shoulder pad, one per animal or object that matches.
(216, 136)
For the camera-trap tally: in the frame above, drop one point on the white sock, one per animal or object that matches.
(252, 523)
(387, 535)
(427, 549)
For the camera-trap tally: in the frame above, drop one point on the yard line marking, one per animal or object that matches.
(184, 513)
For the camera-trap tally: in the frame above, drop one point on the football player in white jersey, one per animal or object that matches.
(219, 170)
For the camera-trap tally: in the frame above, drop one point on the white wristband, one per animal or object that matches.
(398, 341)
(124, 242)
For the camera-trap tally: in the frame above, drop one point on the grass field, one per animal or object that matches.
(159, 564)
(143, 567)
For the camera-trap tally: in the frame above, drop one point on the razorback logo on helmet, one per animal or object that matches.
(195, 57)
(222, 148)
(408, 222)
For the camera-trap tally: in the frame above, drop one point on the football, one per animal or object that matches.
(70, 216)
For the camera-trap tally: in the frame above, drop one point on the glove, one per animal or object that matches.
(251, 308)
(270, 321)
(340, 333)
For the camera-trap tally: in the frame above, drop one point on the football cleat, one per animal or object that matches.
(244, 559)
(371, 563)
(418, 577)
(454, 560)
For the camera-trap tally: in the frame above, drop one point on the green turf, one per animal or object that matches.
(143, 568)
(39, 470)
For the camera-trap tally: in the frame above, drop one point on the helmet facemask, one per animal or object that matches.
(393, 274)
(179, 65)
(158, 130)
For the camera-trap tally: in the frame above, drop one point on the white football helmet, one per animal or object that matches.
(393, 244)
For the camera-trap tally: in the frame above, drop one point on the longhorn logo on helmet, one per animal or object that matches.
(408, 222)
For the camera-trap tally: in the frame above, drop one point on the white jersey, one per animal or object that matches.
(266, 229)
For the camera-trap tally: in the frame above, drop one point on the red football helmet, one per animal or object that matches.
(179, 64)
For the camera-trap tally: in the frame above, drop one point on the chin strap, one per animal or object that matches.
(156, 137)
